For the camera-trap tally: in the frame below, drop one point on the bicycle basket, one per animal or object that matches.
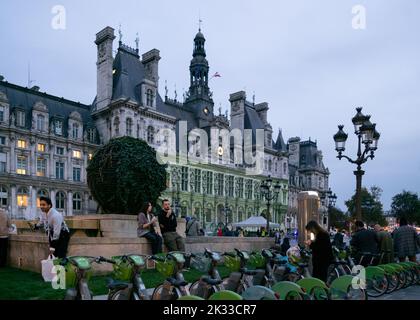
(70, 273)
(257, 260)
(166, 267)
(233, 263)
(122, 269)
(200, 263)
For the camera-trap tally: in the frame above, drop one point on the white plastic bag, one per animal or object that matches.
(47, 268)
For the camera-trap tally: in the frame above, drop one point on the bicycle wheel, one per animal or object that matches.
(376, 286)
(200, 290)
(119, 295)
(409, 278)
(333, 274)
(356, 294)
(402, 280)
(162, 293)
(392, 282)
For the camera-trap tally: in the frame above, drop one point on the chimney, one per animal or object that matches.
(150, 61)
(104, 40)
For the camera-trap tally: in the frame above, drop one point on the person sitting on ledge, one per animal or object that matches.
(149, 227)
(167, 220)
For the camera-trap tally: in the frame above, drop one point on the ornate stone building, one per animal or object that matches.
(46, 141)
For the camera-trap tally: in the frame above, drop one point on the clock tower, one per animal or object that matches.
(199, 96)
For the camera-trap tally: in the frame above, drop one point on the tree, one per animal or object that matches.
(338, 218)
(406, 204)
(372, 208)
(125, 173)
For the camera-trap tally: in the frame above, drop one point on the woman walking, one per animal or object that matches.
(321, 250)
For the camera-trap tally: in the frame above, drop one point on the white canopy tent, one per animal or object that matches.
(255, 222)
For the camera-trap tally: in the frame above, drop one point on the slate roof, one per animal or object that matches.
(25, 99)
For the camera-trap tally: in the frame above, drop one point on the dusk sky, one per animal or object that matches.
(302, 57)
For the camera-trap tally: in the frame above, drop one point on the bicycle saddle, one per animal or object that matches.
(117, 285)
(248, 272)
(177, 283)
(212, 282)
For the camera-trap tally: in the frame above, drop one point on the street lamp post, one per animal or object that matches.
(226, 212)
(328, 200)
(270, 193)
(367, 136)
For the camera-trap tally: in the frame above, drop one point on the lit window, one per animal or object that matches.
(21, 165)
(21, 144)
(90, 156)
(22, 197)
(77, 154)
(41, 147)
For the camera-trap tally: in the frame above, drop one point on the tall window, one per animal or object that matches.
(91, 135)
(75, 130)
(270, 164)
(240, 185)
(150, 134)
(2, 113)
(76, 174)
(197, 180)
(248, 189)
(221, 183)
(77, 202)
(60, 151)
(21, 144)
(184, 178)
(21, 167)
(4, 196)
(22, 197)
(60, 200)
(20, 119)
(41, 147)
(2, 140)
(40, 121)
(149, 98)
(59, 170)
(117, 125)
(230, 186)
(284, 168)
(3, 162)
(58, 127)
(129, 126)
(41, 167)
(41, 193)
(209, 182)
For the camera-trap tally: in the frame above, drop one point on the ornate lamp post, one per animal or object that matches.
(367, 136)
(175, 186)
(227, 213)
(269, 192)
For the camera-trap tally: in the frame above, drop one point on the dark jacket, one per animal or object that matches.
(321, 255)
(365, 241)
(167, 224)
(338, 240)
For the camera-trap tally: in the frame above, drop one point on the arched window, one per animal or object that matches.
(4, 196)
(75, 130)
(22, 197)
(77, 202)
(129, 127)
(149, 98)
(117, 125)
(60, 200)
(150, 134)
(41, 193)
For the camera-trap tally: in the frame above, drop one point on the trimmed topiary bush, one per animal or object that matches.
(123, 174)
